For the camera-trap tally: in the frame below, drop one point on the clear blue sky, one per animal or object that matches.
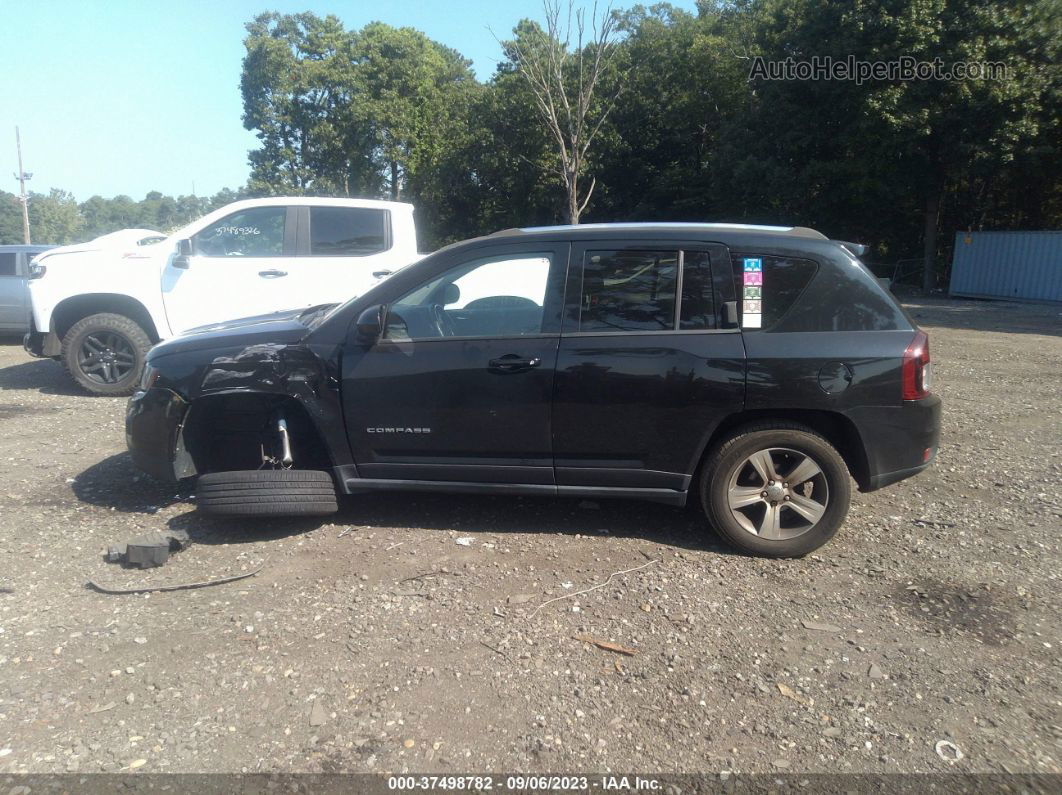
(119, 96)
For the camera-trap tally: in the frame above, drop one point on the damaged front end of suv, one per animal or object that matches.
(234, 396)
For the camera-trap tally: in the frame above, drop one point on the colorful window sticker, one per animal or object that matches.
(752, 305)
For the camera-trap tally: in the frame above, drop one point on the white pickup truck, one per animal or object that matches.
(98, 309)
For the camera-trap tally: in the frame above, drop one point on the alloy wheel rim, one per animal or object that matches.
(106, 357)
(778, 493)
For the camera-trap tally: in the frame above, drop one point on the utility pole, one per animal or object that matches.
(22, 176)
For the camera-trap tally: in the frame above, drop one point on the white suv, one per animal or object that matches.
(99, 309)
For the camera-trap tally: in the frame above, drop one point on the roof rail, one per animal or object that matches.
(799, 231)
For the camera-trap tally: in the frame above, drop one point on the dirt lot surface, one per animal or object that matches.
(416, 632)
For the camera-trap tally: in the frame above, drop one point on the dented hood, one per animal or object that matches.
(281, 328)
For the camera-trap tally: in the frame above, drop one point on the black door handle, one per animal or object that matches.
(512, 363)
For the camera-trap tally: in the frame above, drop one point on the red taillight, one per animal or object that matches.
(917, 371)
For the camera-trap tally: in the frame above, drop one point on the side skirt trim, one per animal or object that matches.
(355, 485)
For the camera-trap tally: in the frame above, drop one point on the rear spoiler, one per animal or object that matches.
(856, 249)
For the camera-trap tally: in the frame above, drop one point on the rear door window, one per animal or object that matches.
(767, 286)
(348, 231)
(8, 263)
(636, 290)
(629, 291)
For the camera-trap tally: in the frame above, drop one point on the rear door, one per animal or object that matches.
(646, 368)
(343, 251)
(458, 388)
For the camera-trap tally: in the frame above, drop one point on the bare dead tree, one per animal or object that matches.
(565, 81)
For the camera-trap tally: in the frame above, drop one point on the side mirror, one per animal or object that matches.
(182, 259)
(370, 324)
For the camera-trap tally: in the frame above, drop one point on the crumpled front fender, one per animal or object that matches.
(153, 423)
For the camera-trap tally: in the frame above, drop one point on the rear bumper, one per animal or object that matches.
(899, 441)
(884, 479)
(153, 423)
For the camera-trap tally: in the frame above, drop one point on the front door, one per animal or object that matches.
(14, 314)
(646, 369)
(242, 265)
(459, 386)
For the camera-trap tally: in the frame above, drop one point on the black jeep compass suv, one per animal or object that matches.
(753, 368)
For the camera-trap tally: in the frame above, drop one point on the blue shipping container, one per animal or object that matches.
(1020, 266)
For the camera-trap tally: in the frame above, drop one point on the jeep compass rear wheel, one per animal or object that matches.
(776, 490)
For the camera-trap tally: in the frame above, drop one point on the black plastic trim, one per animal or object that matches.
(620, 477)
(471, 473)
(360, 485)
(883, 479)
(301, 247)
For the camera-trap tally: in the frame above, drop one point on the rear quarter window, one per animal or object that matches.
(771, 288)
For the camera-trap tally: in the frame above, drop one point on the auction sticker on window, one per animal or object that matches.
(752, 296)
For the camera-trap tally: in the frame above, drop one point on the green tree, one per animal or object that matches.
(109, 215)
(413, 93)
(55, 217)
(945, 131)
(10, 219)
(497, 174)
(296, 74)
(657, 149)
(879, 158)
(348, 112)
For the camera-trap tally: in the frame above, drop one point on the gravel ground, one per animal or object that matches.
(415, 633)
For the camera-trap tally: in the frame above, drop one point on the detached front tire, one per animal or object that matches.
(776, 490)
(105, 354)
(267, 492)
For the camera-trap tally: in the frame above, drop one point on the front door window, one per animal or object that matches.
(256, 232)
(501, 296)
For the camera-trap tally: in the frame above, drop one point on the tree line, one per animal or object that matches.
(57, 217)
(683, 127)
(679, 124)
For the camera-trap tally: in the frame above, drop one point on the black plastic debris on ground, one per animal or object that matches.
(149, 550)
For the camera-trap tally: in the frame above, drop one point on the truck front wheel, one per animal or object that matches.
(105, 353)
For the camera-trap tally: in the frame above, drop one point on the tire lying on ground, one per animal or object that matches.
(267, 492)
